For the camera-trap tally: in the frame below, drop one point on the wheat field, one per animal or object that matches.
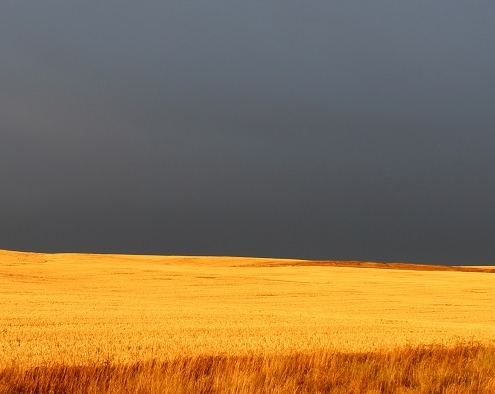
(133, 318)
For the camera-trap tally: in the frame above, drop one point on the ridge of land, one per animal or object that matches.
(260, 261)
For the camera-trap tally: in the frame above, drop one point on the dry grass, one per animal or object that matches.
(461, 369)
(192, 324)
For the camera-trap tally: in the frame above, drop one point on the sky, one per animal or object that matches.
(321, 129)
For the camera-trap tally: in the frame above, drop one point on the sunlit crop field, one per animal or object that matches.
(76, 309)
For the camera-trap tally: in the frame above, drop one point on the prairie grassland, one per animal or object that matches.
(66, 315)
(461, 369)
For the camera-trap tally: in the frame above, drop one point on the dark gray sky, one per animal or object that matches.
(317, 129)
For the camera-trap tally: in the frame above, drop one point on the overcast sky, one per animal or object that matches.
(355, 130)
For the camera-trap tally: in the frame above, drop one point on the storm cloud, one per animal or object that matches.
(325, 130)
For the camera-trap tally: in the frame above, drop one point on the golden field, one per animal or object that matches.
(145, 313)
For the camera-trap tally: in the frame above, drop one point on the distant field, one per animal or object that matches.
(76, 309)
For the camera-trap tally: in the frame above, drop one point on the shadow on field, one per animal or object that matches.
(365, 264)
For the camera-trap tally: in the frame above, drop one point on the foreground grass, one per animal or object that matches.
(421, 369)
